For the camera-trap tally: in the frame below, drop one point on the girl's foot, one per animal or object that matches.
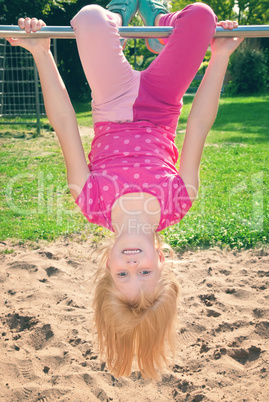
(126, 9)
(150, 11)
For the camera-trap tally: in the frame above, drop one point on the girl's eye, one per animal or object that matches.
(122, 274)
(145, 272)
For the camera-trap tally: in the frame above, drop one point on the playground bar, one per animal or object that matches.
(65, 32)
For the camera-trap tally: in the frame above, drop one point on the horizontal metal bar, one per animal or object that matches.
(65, 32)
(7, 123)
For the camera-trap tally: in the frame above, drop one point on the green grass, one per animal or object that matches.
(232, 207)
(231, 210)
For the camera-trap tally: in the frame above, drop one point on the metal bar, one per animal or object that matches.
(65, 32)
(3, 80)
(7, 123)
(37, 103)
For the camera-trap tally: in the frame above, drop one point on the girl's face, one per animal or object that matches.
(134, 263)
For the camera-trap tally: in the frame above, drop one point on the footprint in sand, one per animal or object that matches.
(73, 264)
(258, 312)
(262, 329)
(263, 274)
(97, 391)
(3, 277)
(72, 303)
(26, 369)
(208, 299)
(35, 394)
(212, 313)
(51, 395)
(27, 392)
(48, 254)
(241, 355)
(230, 327)
(239, 293)
(225, 272)
(52, 271)
(20, 322)
(41, 336)
(21, 265)
(189, 334)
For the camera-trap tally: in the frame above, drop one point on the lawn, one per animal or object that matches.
(231, 210)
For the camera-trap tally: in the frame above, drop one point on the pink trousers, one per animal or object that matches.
(121, 94)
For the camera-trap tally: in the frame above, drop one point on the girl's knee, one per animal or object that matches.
(202, 13)
(91, 16)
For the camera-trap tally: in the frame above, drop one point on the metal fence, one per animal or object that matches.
(21, 100)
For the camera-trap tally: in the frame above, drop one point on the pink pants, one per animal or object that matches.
(121, 94)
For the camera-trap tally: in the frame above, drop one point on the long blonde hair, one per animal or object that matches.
(142, 330)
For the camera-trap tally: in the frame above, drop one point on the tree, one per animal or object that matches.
(251, 12)
(247, 12)
(10, 11)
(54, 12)
(222, 8)
(249, 71)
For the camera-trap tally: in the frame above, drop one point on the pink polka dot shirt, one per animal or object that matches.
(130, 158)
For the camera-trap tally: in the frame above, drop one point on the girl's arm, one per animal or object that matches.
(58, 106)
(204, 109)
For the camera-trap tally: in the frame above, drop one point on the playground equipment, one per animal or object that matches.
(20, 91)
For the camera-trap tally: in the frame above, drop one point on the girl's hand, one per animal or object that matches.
(30, 25)
(226, 46)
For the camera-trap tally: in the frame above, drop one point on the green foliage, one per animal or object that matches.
(249, 71)
(251, 12)
(136, 51)
(10, 11)
(223, 9)
(231, 209)
(247, 12)
(55, 12)
(68, 59)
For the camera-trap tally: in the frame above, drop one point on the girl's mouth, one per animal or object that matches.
(129, 251)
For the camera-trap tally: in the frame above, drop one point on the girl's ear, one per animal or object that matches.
(161, 256)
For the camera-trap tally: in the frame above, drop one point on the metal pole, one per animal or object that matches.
(65, 32)
(3, 70)
(37, 100)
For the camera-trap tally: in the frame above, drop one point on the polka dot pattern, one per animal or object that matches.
(140, 158)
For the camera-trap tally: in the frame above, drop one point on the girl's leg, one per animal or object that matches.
(165, 81)
(113, 82)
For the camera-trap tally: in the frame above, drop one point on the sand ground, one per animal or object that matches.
(48, 348)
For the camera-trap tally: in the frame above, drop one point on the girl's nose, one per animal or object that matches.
(132, 261)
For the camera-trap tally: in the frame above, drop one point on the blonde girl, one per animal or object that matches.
(131, 184)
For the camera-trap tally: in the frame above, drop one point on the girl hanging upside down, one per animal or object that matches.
(131, 185)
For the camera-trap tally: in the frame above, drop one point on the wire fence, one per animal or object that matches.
(21, 100)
